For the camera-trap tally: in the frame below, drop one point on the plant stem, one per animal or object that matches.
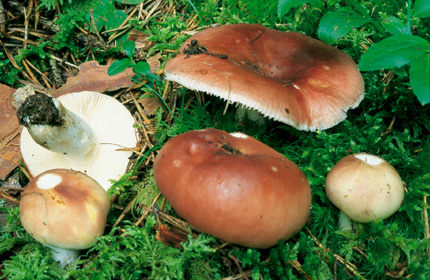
(357, 7)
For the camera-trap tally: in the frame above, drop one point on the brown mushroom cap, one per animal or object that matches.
(64, 209)
(233, 187)
(365, 187)
(286, 76)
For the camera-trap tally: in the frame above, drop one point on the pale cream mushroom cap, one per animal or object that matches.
(365, 187)
(65, 209)
(113, 126)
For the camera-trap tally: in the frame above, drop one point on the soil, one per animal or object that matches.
(38, 109)
(195, 48)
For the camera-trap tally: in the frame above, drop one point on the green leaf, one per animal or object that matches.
(129, 47)
(285, 5)
(119, 66)
(393, 52)
(141, 68)
(334, 25)
(422, 8)
(395, 26)
(419, 76)
(106, 15)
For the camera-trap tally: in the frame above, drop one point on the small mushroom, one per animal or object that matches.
(286, 76)
(365, 188)
(233, 187)
(65, 210)
(82, 131)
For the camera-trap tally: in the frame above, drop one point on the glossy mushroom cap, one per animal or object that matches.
(365, 187)
(286, 76)
(233, 187)
(113, 127)
(64, 209)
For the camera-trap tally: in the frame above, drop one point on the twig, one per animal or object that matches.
(352, 268)
(244, 275)
(426, 222)
(298, 267)
(239, 276)
(56, 71)
(11, 198)
(2, 19)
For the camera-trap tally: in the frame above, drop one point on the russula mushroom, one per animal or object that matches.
(233, 187)
(82, 131)
(65, 210)
(365, 188)
(286, 76)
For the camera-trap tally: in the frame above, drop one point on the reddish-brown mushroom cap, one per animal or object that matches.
(286, 76)
(233, 186)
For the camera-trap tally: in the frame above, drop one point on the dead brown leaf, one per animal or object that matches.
(10, 156)
(140, 39)
(94, 77)
(149, 103)
(154, 62)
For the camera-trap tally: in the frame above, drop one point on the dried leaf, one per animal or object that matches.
(149, 103)
(94, 77)
(140, 39)
(154, 62)
(10, 156)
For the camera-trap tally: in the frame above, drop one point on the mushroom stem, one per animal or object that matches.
(242, 113)
(55, 128)
(345, 223)
(64, 256)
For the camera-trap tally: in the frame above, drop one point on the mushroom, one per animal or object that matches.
(365, 188)
(65, 210)
(286, 76)
(81, 131)
(233, 187)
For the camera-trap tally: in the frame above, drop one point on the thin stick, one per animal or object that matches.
(11, 198)
(426, 222)
(352, 268)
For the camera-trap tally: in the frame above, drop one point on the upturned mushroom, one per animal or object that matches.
(233, 187)
(365, 188)
(82, 131)
(65, 210)
(286, 76)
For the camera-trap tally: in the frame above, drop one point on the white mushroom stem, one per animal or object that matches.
(344, 223)
(242, 113)
(73, 137)
(64, 256)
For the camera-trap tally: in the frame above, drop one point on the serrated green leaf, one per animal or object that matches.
(393, 52)
(285, 5)
(395, 26)
(119, 66)
(141, 68)
(334, 25)
(419, 76)
(422, 8)
(129, 47)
